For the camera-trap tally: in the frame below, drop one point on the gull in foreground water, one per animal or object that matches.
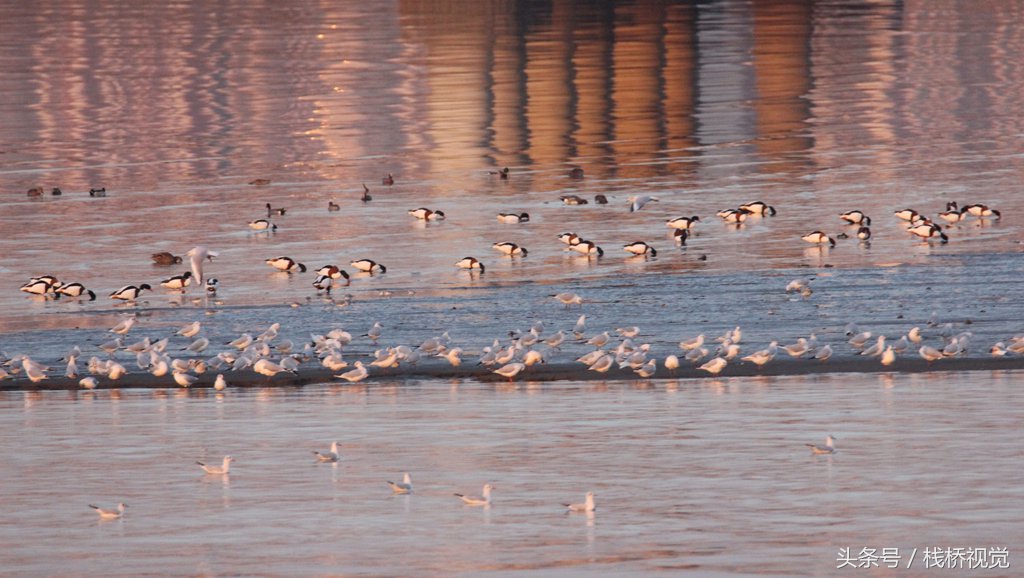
(223, 470)
(586, 506)
(828, 448)
(330, 456)
(108, 514)
(484, 500)
(403, 487)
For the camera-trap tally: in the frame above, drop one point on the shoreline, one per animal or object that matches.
(550, 372)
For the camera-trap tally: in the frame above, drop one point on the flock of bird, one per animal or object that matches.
(332, 456)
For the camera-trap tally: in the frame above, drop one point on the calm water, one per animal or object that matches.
(816, 108)
(691, 477)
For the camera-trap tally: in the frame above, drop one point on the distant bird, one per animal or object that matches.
(328, 456)
(262, 225)
(35, 192)
(888, 356)
(89, 382)
(640, 248)
(672, 363)
(333, 207)
(856, 218)
(358, 374)
(586, 506)
(568, 299)
(588, 248)
(819, 238)
(197, 255)
(863, 233)
(211, 286)
(166, 258)
(638, 202)
(41, 285)
(403, 487)
(273, 211)
(223, 470)
(576, 173)
(333, 272)
(259, 182)
(130, 292)
(979, 210)
(715, 366)
(183, 379)
(503, 173)
(366, 198)
(75, 290)
(600, 199)
(124, 326)
(828, 448)
(929, 353)
(483, 500)
(510, 370)
(573, 200)
(178, 282)
(907, 214)
(823, 353)
(108, 514)
(56, 192)
(100, 192)
(388, 180)
(569, 238)
(510, 249)
(286, 264)
(758, 208)
(512, 218)
(683, 222)
(368, 266)
(470, 263)
(425, 214)
(323, 283)
(190, 330)
(220, 384)
(928, 231)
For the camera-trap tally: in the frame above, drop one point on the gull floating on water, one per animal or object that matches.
(403, 487)
(223, 470)
(586, 506)
(484, 500)
(108, 514)
(828, 448)
(329, 456)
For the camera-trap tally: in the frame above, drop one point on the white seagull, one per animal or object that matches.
(828, 448)
(108, 514)
(330, 456)
(223, 470)
(484, 500)
(586, 506)
(403, 487)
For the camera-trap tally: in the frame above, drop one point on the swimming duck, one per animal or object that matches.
(272, 211)
(426, 214)
(286, 264)
(573, 200)
(166, 258)
(262, 225)
(388, 180)
(35, 192)
(100, 192)
(333, 207)
(503, 173)
(601, 199)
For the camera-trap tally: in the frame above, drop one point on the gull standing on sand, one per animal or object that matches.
(220, 384)
(358, 374)
(510, 370)
(403, 487)
(223, 470)
(484, 500)
(586, 506)
(89, 382)
(191, 330)
(108, 514)
(828, 448)
(888, 356)
(715, 366)
(929, 353)
(329, 456)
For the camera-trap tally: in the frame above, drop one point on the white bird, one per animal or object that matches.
(860, 339)
(243, 341)
(484, 500)
(196, 257)
(876, 349)
(798, 349)
(184, 379)
(760, 358)
(691, 344)
(603, 364)
(220, 384)
(599, 340)
(715, 366)
(888, 356)
(198, 346)
(648, 369)
(328, 456)
(628, 332)
(124, 326)
(190, 330)
(533, 357)
(637, 202)
(358, 374)
(914, 335)
(403, 487)
(586, 506)
(223, 470)
(269, 368)
(510, 370)
(828, 448)
(929, 354)
(823, 353)
(581, 326)
(672, 363)
(108, 514)
(695, 355)
(89, 382)
(375, 331)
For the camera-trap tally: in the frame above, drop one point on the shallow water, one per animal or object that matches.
(691, 477)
